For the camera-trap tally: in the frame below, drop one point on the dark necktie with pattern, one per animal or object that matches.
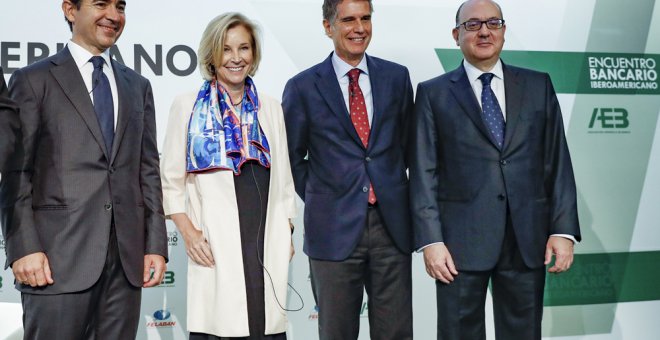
(491, 112)
(359, 115)
(103, 104)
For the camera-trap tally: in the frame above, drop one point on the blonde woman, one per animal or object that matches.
(228, 188)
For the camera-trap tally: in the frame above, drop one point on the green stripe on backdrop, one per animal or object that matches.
(576, 72)
(606, 278)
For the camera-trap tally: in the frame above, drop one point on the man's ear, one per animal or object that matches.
(69, 10)
(327, 27)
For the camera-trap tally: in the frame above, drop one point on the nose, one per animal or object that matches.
(484, 30)
(234, 56)
(359, 26)
(112, 13)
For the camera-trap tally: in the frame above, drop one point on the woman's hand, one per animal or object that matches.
(292, 249)
(197, 247)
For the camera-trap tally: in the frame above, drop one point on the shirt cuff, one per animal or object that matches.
(570, 237)
(430, 244)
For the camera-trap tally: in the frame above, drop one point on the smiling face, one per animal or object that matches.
(480, 48)
(97, 24)
(237, 58)
(351, 30)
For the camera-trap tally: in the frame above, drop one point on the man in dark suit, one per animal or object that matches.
(492, 188)
(9, 123)
(346, 122)
(86, 230)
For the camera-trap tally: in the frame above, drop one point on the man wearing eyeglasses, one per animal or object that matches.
(492, 188)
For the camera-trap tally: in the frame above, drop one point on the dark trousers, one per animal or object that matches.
(517, 299)
(110, 309)
(377, 266)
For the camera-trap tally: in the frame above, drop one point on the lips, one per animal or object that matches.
(109, 28)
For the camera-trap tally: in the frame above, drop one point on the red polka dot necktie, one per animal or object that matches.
(359, 116)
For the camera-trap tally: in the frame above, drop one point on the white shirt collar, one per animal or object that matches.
(81, 56)
(341, 67)
(474, 73)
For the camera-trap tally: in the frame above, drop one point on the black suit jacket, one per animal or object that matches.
(331, 167)
(69, 189)
(462, 184)
(9, 123)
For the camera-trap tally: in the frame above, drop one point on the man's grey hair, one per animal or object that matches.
(330, 9)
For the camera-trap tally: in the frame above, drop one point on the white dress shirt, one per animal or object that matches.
(496, 84)
(81, 57)
(341, 70)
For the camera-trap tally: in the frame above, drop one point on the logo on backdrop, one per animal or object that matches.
(609, 120)
(622, 72)
(161, 319)
(172, 238)
(314, 314)
(2, 243)
(582, 72)
(168, 280)
(179, 60)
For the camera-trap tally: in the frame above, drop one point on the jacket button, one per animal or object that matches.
(503, 162)
(500, 197)
(108, 206)
(365, 189)
(368, 159)
(111, 170)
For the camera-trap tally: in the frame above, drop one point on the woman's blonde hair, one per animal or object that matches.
(211, 48)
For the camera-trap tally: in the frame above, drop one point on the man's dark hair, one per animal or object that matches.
(77, 3)
(461, 6)
(330, 9)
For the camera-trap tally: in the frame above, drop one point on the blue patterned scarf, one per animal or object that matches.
(218, 138)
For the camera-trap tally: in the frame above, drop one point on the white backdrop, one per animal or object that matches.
(165, 34)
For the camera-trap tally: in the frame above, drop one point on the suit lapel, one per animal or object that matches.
(465, 96)
(513, 89)
(67, 75)
(123, 112)
(378, 93)
(328, 87)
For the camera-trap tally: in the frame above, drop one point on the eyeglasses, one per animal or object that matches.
(475, 25)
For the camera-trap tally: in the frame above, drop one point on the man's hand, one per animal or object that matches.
(157, 263)
(562, 249)
(33, 270)
(439, 264)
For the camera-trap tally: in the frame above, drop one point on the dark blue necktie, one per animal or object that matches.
(491, 111)
(103, 104)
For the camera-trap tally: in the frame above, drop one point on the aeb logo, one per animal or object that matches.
(609, 120)
(168, 279)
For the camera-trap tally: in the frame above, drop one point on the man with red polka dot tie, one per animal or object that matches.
(347, 123)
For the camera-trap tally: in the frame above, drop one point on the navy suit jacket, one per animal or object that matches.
(331, 167)
(462, 184)
(68, 190)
